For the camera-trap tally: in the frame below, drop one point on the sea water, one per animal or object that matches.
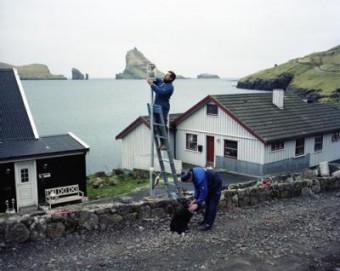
(97, 110)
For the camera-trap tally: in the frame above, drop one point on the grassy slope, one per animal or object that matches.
(315, 72)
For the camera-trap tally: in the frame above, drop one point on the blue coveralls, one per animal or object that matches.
(163, 93)
(208, 186)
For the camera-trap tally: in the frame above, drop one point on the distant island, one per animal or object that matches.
(135, 67)
(33, 72)
(207, 76)
(315, 77)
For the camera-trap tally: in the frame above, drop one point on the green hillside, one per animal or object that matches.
(317, 73)
(33, 72)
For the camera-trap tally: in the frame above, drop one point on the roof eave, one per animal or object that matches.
(132, 126)
(210, 98)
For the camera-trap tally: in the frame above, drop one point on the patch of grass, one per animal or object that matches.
(311, 79)
(112, 185)
(290, 67)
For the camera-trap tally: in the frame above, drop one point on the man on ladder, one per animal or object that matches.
(163, 88)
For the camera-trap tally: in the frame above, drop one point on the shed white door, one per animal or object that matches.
(26, 184)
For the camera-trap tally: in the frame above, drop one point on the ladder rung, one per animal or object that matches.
(157, 110)
(158, 124)
(159, 136)
(165, 160)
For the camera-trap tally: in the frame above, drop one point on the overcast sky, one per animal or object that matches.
(230, 38)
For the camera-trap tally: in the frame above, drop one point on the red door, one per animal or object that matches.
(210, 150)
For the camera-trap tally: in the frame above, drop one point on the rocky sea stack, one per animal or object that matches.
(136, 64)
(77, 75)
(33, 72)
(315, 77)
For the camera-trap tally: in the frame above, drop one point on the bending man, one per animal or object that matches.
(208, 186)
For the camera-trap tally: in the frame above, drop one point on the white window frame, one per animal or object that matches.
(212, 105)
(191, 142)
(277, 146)
(298, 147)
(318, 143)
(232, 150)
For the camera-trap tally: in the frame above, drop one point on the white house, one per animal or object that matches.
(254, 134)
(136, 145)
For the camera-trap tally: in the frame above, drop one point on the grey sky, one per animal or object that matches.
(225, 37)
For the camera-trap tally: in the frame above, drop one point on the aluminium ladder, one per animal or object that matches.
(160, 133)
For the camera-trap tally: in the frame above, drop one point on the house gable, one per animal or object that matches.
(141, 120)
(136, 141)
(208, 100)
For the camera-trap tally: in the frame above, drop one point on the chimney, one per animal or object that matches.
(278, 95)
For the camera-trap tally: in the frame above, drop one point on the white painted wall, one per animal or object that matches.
(135, 143)
(330, 152)
(136, 147)
(222, 127)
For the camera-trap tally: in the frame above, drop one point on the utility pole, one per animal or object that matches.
(151, 75)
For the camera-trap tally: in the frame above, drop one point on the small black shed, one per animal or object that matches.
(29, 164)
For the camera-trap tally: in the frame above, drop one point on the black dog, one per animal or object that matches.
(181, 218)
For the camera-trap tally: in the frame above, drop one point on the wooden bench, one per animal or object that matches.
(63, 194)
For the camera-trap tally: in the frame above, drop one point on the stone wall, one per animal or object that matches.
(37, 226)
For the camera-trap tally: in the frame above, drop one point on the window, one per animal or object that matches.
(300, 147)
(336, 136)
(318, 141)
(230, 148)
(212, 109)
(277, 146)
(24, 175)
(191, 142)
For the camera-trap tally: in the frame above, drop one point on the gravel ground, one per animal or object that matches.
(294, 234)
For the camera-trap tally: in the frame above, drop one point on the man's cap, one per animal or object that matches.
(185, 176)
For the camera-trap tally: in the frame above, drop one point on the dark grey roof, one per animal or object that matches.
(260, 116)
(14, 118)
(18, 136)
(44, 146)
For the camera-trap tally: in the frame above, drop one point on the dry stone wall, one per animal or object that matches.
(42, 225)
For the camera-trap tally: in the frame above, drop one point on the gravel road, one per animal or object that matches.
(294, 234)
